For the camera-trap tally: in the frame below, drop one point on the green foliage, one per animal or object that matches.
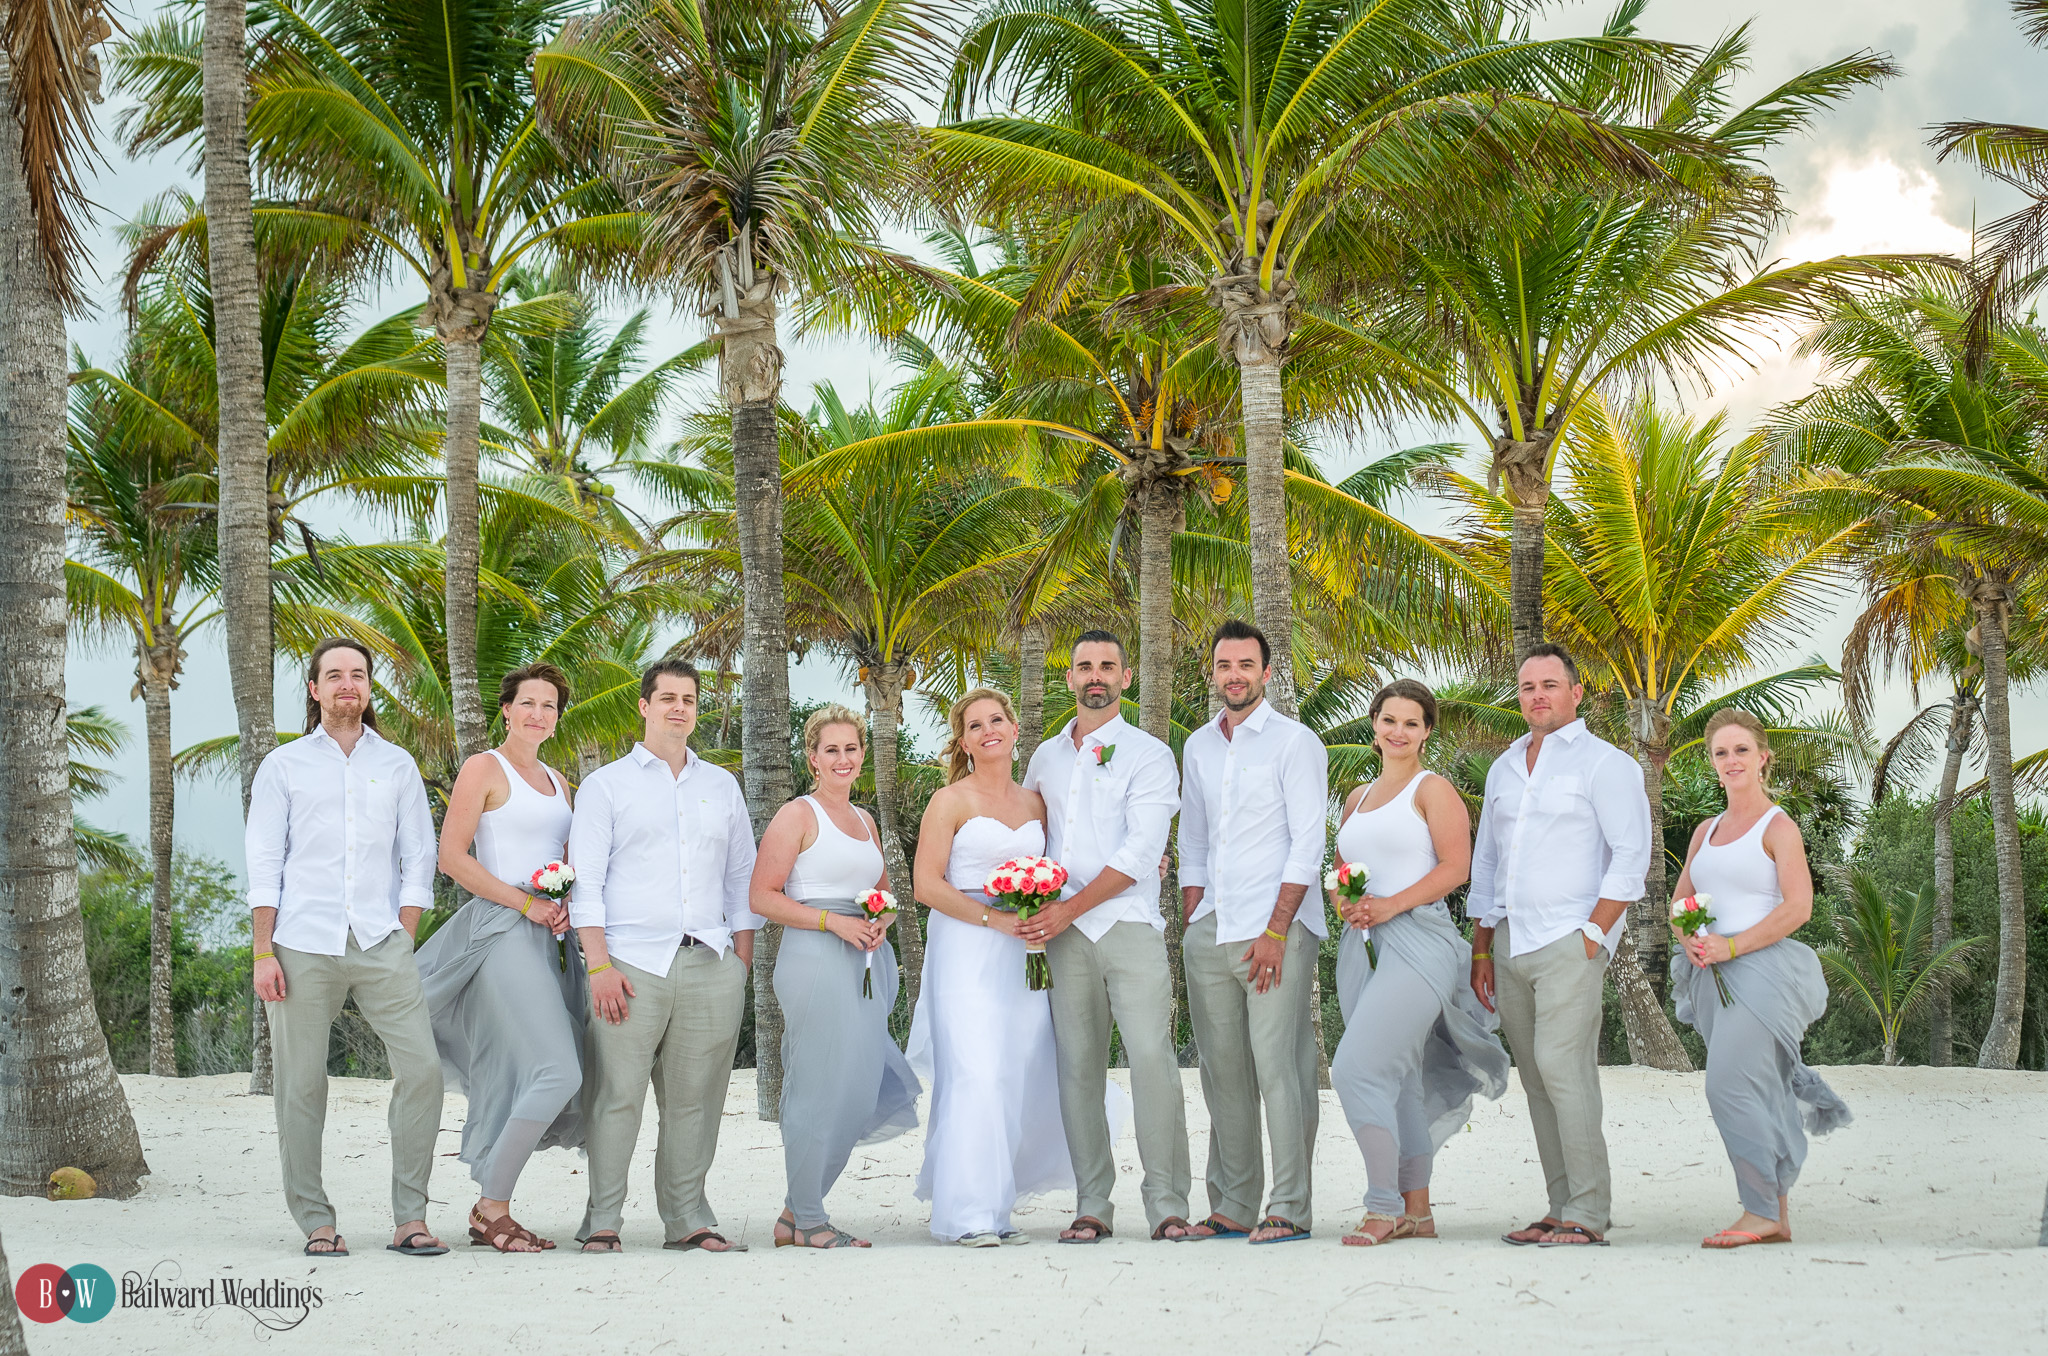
(1884, 954)
(210, 964)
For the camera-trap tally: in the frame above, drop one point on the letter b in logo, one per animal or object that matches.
(46, 1293)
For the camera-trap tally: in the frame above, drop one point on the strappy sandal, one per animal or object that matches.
(336, 1247)
(1360, 1238)
(695, 1243)
(1588, 1239)
(1217, 1229)
(1295, 1233)
(603, 1241)
(1745, 1238)
(1415, 1225)
(498, 1234)
(1089, 1222)
(407, 1246)
(1159, 1234)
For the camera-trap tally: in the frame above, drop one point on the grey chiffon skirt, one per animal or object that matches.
(844, 1082)
(509, 1015)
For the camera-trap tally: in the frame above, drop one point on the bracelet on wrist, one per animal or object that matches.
(267, 955)
(595, 968)
(1276, 936)
(823, 914)
(1482, 955)
(527, 905)
(1732, 952)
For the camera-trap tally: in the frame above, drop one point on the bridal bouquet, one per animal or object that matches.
(1349, 879)
(1690, 916)
(553, 880)
(1023, 886)
(874, 904)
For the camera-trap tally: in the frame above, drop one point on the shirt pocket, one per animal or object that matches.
(375, 807)
(1253, 789)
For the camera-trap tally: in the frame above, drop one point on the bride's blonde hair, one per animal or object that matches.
(958, 761)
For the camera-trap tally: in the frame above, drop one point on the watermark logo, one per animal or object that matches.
(84, 1293)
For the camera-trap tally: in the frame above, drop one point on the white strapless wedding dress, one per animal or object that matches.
(982, 1042)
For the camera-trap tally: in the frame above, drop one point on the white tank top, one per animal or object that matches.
(1392, 842)
(525, 833)
(836, 865)
(1740, 877)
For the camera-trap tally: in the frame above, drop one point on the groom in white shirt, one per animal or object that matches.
(1254, 812)
(1562, 848)
(1110, 792)
(663, 851)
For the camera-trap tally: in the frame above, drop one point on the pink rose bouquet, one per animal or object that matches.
(1690, 916)
(874, 906)
(1023, 886)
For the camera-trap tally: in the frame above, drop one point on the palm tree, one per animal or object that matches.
(1261, 143)
(1677, 568)
(1948, 457)
(60, 1102)
(1511, 325)
(144, 576)
(764, 142)
(408, 136)
(575, 411)
(91, 732)
(1886, 956)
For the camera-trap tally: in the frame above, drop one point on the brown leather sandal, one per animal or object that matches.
(1093, 1226)
(498, 1233)
(1159, 1234)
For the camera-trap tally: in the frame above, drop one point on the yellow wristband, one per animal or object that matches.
(268, 955)
(1732, 952)
(595, 968)
(823, 914)
(1482, 955)
(1276, 936)
(527, 905)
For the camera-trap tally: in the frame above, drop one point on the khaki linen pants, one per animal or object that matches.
(1255, 1046)
(1550, 1013)
(1122, 977)
(680, 1032)
(386, 985)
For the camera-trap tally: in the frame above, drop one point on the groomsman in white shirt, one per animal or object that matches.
(340, 852)
(1254, 812)
(1110, 792)
(1562, 848)
(663, 851)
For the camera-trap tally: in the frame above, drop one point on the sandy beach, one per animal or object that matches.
(1915, 1226)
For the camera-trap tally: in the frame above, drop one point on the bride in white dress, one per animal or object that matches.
(980, 1039)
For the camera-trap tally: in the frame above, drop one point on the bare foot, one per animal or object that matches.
(413, 1233)
(604, 1240)
(1534, 1233)
(1211, 1227)
(325, 1242)
(1373, 1230)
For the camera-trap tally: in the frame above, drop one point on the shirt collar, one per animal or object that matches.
(1106, 733)
(1568, 733)
(319, 733)
(645, 757)
(1255, 721)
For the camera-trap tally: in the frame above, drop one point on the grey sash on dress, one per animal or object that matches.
(1784, 987)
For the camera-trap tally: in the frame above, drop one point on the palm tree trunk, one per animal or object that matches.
(242, 444)
(12, 1343)
(60, 1103)
(1266, 503)
(1031, 647)
(156, 706)
(1525, 578)
(464, 542)
(2001, 1048)
(1962, 710)
(1159, 517)
(1651, 1041)
(884, 687)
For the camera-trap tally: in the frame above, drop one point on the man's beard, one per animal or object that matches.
(1251, 698)
(1095, 698)
(344, 712)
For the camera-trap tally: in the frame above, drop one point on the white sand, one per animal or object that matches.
(1915, 1229)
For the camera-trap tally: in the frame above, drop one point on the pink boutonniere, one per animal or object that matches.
(1103, 753)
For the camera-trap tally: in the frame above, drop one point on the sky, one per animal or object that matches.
(1862, 180)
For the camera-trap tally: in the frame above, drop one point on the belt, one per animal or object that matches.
(688, 940)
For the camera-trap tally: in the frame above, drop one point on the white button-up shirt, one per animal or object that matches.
(1254, 810)
(338, 843)
(1555, 841)
(1108, 815)
(659, 857)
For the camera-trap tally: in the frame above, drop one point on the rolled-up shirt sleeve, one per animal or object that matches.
(265, 835)
(739, 866)
(1623, 809)
(416, 846)
(590, 849)
(1151, 798)
(1305, 787)
(1484, 903)
(1194, 828)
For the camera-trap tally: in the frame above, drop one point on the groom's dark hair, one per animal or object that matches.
(1546, 650)
(320, 652)
(1242, 630)
(672, 668)
(1101, 638)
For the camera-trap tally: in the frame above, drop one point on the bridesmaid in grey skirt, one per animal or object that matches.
(1751, 861)
(844, 1082)
(507, 1013)
(1417, 1044)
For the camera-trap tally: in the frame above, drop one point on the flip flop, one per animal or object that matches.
(406, 1246)
(695, 1243)
(1222, 1230)
(606, 1242)
(1510, 1238)
(339, 1248)
(1592, 1240)
(1159, 1234)
(1747, 1238)
(1102, 1230)
(1295, 1231)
